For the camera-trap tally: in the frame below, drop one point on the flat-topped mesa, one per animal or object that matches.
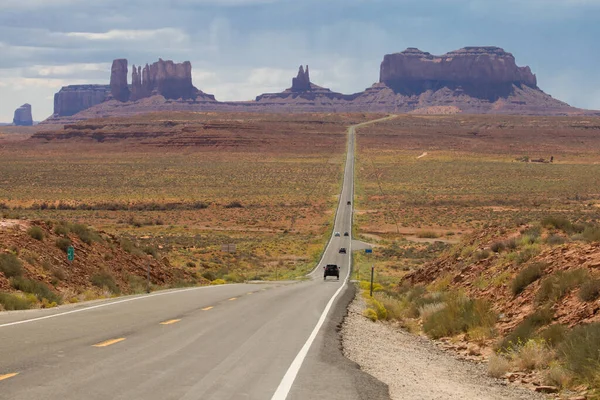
(75, 98)
(301, 83)
(166, 78)
(482, 72)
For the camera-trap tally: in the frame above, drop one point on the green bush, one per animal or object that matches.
(590, 290)
(63, 244)
(151, 251)
(427, 235)
(39, 289)
(460, 315)
(554, 334)
(557, 285)
(131, 248)
(86, 235)
(526, 277)
(559, 223)
(378, 307)
(10, 265)
(497, 247)
(528, 252)
(106, 281)
(526, 329)
(580, 352)
(36, 232)
(62, 229)
(591, 233)
(554, 240)
(11, 302)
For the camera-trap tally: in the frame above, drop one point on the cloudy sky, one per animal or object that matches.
(241, 48)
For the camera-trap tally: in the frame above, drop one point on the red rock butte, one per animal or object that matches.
(475, 80)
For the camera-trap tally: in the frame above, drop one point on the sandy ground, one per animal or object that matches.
(414, 368)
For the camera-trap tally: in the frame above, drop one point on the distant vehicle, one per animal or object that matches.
(346, 234)
(342, 250)
(331, 270)
(337, 234)
(349, 203)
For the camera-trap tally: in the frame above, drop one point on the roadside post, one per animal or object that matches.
(228, 248)
(148, 278)
(70, 254)
(370, 251)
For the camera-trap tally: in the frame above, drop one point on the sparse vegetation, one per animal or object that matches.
(526, 329)
(39, 289)
(460, 315)
(580, 352)
(106, 281)
(555, 286)
(36, 232)
(63, 244)
(527, 276)
(10, 265)
(9, 302)
(590, 290)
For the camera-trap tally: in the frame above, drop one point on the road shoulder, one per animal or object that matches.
(413, 367)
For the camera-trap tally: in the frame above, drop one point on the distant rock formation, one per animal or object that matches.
(301, 83)
(487, 73)
(303, 95)
(165, 78)
(23, 116)
(75, 98)
(476, 80)
(118, 80)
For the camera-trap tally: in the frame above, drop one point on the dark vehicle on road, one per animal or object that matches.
(331, 270)
(346, 234)
(343, 250)
(349, 203)
(337, 234)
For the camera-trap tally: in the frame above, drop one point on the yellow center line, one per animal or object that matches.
(249, 292)
(3, 377)
(233, 298)
(207, 308)
(171, 321)
(109, 342)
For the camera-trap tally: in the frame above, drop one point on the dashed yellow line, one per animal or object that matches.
(233, 298)
(207, 308)
(170, 322)
(109, 342)
(3, 377)
(249, 292)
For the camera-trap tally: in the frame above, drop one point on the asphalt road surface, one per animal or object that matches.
(246, 341)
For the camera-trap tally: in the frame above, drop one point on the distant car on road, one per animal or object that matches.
(346, 234)
(342, 250)
(337, 234)
(349, 202)
(331, 270)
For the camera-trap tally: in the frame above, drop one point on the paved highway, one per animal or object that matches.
(247, 341)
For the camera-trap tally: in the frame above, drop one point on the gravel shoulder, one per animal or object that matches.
(413, 367)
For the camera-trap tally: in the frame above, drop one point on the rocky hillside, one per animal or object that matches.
(35, 271)
(522, 270)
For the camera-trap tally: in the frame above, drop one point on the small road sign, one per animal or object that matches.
(70, 253)
(368, 251)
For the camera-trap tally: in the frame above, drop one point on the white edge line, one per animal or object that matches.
(110, 304)
(290, 376)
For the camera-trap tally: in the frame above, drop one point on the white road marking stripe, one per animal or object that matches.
(110, 304)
